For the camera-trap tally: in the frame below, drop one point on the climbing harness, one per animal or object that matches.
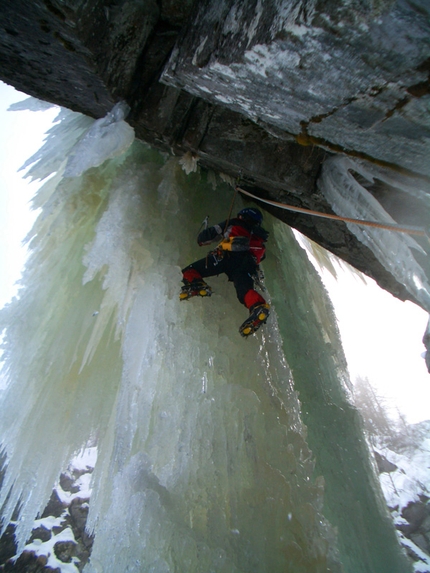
(233, 243)
(399, 229)
(217, 255)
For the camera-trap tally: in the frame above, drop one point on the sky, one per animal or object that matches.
(382, 336)
(382, 340)
(22, 135)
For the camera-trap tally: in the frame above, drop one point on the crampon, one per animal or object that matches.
(257, 317)
(196, 288)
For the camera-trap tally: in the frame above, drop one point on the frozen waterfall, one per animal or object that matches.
(215, 453)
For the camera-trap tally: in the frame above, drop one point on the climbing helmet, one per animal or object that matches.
(252, 214)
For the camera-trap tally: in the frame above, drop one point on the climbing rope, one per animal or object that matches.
(236, 189)
(404, 229)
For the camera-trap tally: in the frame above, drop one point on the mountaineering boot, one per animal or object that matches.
(258, 316)
(197, 287)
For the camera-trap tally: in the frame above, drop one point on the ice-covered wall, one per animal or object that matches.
(204, 462)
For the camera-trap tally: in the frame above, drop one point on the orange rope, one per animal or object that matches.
(410, 230)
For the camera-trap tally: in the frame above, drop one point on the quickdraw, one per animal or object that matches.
(217, 254)
(258, 278)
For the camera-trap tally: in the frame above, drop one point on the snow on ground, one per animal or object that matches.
(409, 483)
(46, 549)
(411, 479)
(82, 466)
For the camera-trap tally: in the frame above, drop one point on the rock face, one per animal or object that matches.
(261, 90)
(59, 537)
(334, 73)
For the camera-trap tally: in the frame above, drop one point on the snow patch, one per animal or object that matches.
(410, 480)
(46, 549)
(264, 59)
(409, 483)
(421, 566)
(85, 460)
(83, 482)
(223, 70)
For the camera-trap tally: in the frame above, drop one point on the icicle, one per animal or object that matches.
(60, 139)
(350, 199)
(189, 162)
(47, 333)
(31, 104)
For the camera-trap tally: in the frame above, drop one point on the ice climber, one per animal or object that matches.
(238, 254)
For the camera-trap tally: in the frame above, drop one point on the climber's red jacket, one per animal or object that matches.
(237, 235)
